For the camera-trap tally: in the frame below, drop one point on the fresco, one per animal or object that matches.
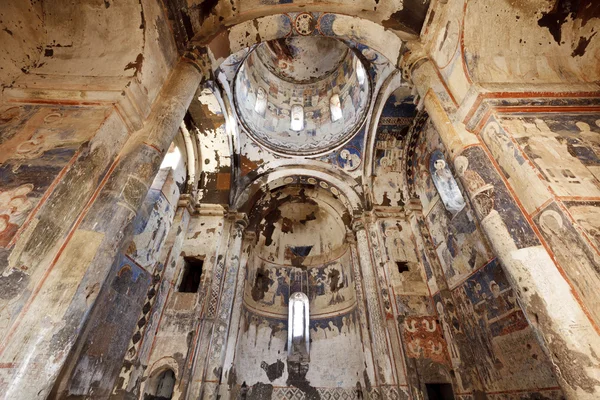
(519, 173)
(263, 340)
(37, 142)
(587, 215)
(565, 149)
(445, 183)
(112, 327)
(153, 221)
(329, 286)
(460, 245)
(392, 128)
(423, 338)
(500, 334)
(489, 193)
(579, 260)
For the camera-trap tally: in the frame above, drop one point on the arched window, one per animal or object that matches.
(335, 107)
(361, 74)
(298, 327)
(297, 123)
(261, 101)
(161, 386)
(445, 183)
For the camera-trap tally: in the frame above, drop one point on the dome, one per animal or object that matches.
(302, 96)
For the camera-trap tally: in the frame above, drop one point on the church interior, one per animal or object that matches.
(300, 199)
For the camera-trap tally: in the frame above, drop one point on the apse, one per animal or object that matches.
(300, 250)
(294, 100)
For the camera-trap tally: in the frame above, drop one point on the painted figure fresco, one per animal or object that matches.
(349, 158)
(33, 151)
(328, 286)
(445, 183)
(498, 330)
(579, 260)
(565, 148)
(392, 127)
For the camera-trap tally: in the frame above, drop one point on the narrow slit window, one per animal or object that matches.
(261, 101)
(298, 327)
(361, 74)
(297, 122)
(192, 274)
(335, 107)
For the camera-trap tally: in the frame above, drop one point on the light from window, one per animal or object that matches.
(261, 101)
(298, 325)
(297, 123)
(361, 74)
(335, 107)
(172, 158)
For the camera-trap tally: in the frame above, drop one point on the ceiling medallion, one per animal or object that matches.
(304, 24)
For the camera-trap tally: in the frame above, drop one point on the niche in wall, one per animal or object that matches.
(161, 386)
(439, 391)
(191, 275)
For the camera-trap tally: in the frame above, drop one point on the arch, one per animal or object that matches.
(341, 186)
(250, 32)
(213, 130)
(156, 369)
(393, 82)
(161, 385)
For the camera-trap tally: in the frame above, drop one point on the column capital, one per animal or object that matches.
(415, 56)
(238, 218)
(350, 237)
(358, 224)
(199, 58)
(413, 206)
(250, 235)
(186, 201)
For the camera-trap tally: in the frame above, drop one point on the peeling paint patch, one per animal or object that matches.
(582, 46)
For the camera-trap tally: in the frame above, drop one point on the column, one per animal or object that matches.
(384, 372)
(362, 314)
(379, 257)
(38, 344)
(225, 390)
(211, 364)
(555, 311)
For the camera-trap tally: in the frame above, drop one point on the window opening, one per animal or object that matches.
(298, 328)
(335, 107)
(261, 101)
(361, 74)
(402, 266)
(439, 391)
(297, 123)
(192, 273)
(161, 388)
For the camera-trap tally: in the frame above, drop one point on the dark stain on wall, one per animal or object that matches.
(261, 283)
(260, 391)
(274, 370)
(297, 377)
(583, 43)
(564, 10)
(410, 18)
(136, 65)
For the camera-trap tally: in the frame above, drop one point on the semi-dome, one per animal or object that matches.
(302, 95)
